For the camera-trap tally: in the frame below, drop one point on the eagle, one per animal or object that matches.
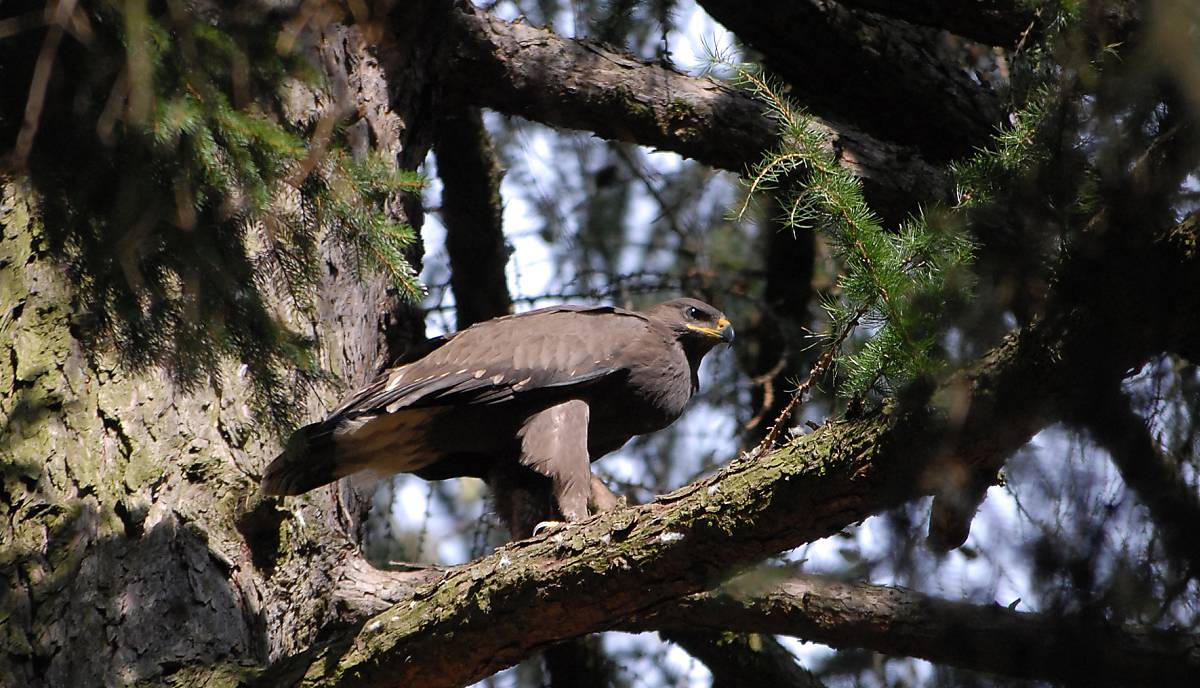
(526, 402)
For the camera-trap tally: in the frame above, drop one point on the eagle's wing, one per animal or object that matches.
(547, 352)
(493, 361)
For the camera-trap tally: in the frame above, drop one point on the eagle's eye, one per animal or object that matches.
(694, 313)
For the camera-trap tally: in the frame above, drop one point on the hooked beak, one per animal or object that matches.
(723, 330)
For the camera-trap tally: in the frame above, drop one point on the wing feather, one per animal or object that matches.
(495, 361)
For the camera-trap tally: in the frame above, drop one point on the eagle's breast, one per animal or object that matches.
(651, 394)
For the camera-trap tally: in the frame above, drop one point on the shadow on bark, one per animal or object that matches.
(152, 601)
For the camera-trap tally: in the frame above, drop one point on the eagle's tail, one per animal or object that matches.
(308, 461)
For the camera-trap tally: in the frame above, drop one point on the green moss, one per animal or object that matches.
(142, 470)
(635, 110)
(220, 675)
(680, 119)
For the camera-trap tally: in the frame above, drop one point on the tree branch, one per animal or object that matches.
(365, 590)
(896, 621)
(472, 212)
(1005, 23)
(1153, 477)
(1100, 285)
(578, 84)
(907, 84)
(994, 22)
(591, 575)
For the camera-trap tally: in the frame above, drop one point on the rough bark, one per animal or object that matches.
(134, 546)
(884, 76)
(578, 84)
(895, 621)
(528, 594)
(136, 549)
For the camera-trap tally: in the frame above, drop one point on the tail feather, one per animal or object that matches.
(308, 461)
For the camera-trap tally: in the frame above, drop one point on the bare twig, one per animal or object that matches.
(818, 369)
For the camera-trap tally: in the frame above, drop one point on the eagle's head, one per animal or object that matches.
(697, 325)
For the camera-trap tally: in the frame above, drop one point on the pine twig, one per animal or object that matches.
(768, 442)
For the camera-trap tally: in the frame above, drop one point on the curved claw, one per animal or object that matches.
(546, 526)
(393, 565)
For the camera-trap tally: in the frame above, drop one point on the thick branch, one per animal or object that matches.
(994, 22)
(1082, 340)
(1005, 23)
(365, 590)
(527, 594)
(1153, 477)
(897, 81)
(897, 621)
(577, 84)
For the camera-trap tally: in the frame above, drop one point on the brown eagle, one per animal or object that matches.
(525, 402)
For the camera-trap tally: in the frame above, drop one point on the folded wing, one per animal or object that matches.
(533, 358)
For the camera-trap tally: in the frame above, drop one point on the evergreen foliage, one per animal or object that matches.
(1077, 118)
(634, 23)
(181, 194)
(896, 286)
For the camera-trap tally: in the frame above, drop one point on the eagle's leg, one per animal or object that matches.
(554, 443)
(521, 499)
(603, 499)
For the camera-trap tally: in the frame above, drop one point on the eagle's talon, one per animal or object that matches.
(546, 526)
(406, 566)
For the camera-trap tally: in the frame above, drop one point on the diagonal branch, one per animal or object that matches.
(1152, 476)
(472, 213)
(1004, 23)
(1099, 289)
(578, 84)
(478, 618)
(897, 621)
(907, 84)
(994, 22)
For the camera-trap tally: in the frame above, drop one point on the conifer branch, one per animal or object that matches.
(886, 273)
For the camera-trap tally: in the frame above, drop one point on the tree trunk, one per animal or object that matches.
(135, 545)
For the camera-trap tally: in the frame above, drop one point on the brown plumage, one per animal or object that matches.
(542, 393)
